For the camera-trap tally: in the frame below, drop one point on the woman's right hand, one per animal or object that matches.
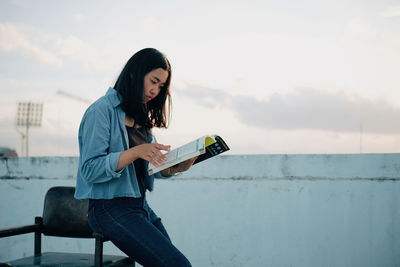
(152, 152)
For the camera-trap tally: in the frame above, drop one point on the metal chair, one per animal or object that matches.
(63, 216)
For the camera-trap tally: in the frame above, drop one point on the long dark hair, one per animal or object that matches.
(130, 87)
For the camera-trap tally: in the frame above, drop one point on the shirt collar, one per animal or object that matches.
(114, 97)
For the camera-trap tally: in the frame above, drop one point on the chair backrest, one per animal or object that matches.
(63, 215)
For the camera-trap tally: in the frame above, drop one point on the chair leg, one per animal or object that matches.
(38, 237)
(98, 254)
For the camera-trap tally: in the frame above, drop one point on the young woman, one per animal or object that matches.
(116, 145)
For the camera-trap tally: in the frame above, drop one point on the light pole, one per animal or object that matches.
(77, 98)
(28, 115)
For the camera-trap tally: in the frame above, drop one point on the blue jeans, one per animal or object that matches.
(135, 229)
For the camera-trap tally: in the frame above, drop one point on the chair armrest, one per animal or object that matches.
(19, 230)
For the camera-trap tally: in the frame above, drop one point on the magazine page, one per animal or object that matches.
(180, 154)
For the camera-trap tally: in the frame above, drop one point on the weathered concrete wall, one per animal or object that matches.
(248, 210)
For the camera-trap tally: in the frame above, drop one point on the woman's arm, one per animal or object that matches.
(97, 164)
(150, 152)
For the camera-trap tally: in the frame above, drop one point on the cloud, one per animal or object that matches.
(392, 11)
(205, 96)
(304, 109)
(49, 49)
(73, 48)
(15, 38)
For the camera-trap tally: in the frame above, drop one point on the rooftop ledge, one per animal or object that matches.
(235, 167)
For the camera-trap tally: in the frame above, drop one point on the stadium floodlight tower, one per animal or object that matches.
(28, 115)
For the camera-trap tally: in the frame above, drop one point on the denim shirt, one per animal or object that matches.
(102, 137)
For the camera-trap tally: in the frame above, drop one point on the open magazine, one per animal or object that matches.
(204, 147)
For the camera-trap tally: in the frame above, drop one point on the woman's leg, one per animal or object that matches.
(156, 221)
(127, 225)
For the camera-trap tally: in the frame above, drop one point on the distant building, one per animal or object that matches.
(6, 152)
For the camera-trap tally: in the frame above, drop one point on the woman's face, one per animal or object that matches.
(153, 82)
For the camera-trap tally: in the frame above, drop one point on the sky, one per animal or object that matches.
(270, 77)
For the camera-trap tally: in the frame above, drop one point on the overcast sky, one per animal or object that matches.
(285, 76)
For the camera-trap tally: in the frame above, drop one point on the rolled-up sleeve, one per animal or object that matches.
(112, 164)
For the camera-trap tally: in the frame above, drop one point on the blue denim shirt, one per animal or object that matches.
(102, 138)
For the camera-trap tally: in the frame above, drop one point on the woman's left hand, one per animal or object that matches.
(184, 165)
(180, 167)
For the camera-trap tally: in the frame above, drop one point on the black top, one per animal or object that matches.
(138, 136)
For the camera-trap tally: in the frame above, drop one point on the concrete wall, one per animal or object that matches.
(247, 210)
